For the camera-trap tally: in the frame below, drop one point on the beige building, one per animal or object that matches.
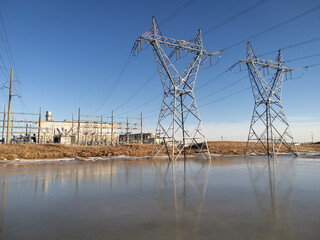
(85, 133)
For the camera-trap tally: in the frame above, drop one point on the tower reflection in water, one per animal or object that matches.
(181, 188)
(273, 185)
(223, 199)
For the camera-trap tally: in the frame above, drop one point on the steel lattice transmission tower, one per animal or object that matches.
(179, 110)
(269, 125)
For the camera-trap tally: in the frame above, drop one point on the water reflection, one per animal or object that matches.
(184, 184)
(225, 199)
(273, 185)
(3, 202)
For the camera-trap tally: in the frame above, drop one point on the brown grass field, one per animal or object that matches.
(53, 151)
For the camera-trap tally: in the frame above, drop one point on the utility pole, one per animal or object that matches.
(12, 127)
(79, 127)
(112, 128)
(128, 141)
(101, 126)
(72, 125)
(141, 130)
(39, 126)
(4, 125)
(9, 109)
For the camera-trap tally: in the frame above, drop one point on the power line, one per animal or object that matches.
(292, 46)
(222, 14)
(6, 44)
(228, 96)
(10, 56)
(168, 18)
(144, 104)
(274, 27)
(211, 80)
(233, 94)
(116, 82)
(213, 93)
(207, 31)
(300, 58)
(176, 12)
(138, 91)
(221, 89)
(234, 17)
(308, 66)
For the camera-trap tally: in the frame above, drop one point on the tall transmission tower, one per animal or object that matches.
(179, 110)
(269, 125)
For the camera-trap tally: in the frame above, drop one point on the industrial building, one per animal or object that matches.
(85, 130)
(81, 132)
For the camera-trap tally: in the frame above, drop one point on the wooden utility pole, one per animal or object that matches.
(112, 129)
(101, 126)
(72, 125)
(79, 128)
(141, 130)
(4, 125)
(9, 109)
(39, 126)
(12, 127)
(128, 140)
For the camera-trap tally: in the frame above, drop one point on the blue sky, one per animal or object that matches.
(68, 54)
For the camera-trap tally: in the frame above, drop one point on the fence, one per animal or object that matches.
(91, 130)
(24, 127)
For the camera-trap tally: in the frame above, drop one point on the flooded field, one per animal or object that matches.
(228, 198)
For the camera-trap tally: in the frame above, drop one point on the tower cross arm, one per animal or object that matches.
(183, 45)
(266, 63)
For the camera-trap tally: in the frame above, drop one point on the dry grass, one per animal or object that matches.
(226, 147)
(52, 151)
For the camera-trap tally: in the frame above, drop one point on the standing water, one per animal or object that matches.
(227, 198)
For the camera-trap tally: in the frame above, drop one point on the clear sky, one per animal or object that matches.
(70, 53)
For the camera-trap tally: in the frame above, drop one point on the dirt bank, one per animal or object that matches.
(51, 151)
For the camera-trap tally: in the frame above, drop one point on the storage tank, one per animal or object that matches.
(48, 116)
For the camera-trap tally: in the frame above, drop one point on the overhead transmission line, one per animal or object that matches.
(144, 104)
(209, 95)
(222, 98)
(273, 27)
(242, 90)
(205, 104)
(232, 94)
(123, 69)
(291, 46)
(234, 83)
(6, 45)
(300, 58)
(4, 69)
(176, 12)
(116, 82)
(229, 68)
(234, 17)
(211, 80)
(224, 88)
(254, 36)
(138, 91)
(228, 86)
